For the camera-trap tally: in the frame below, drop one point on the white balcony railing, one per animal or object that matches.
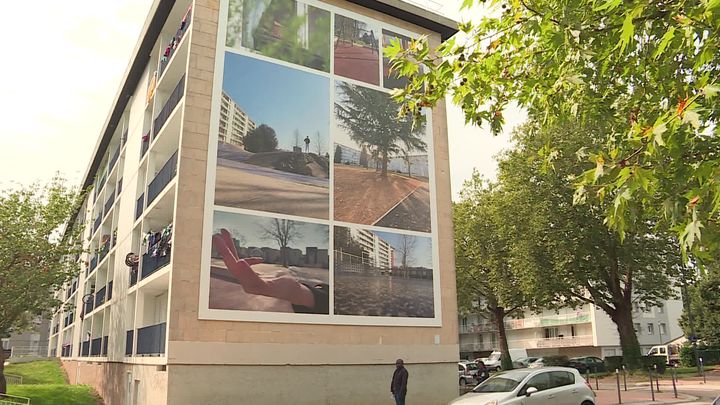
(530, 322)
(539, 343)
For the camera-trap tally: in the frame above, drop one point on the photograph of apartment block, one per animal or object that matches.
(583, 331)
(234, 123)
(132, 324)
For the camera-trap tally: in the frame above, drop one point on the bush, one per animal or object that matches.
(652, 361)
(613, 362)
(261, 139)
(709, 354)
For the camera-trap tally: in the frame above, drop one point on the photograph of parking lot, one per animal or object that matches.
(390, 79)
(288, 30)
(380, 163)
(273, 151)
(357, 51)
(382, 274)
(268, 264)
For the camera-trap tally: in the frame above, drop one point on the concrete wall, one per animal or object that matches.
(115, 381)
(428, 384)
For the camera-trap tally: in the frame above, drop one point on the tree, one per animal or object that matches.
(705, 308)
(296, 135)
(261, 139)
(405, 154)
(487, 283)
(282, 231)
(337, 158)
(369, 116)
(364, 157)
(578, 259)
(318, 143)
(405, 249)
(36, 256)
(647, 69)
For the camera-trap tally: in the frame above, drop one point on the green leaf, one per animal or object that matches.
(692, 118)
(712, 5)
(711, 89)
(692, 232)
(664, 42)
(608, 5)
(658, 131)
(628, 28)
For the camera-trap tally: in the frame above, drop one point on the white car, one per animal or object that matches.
(549, 385)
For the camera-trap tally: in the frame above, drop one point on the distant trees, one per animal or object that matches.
(370, 117)
(261, 139)
(338, 155)
(282, 231)
(705, 308)
(364, 157)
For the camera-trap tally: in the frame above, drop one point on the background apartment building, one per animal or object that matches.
(140, 324)
(584, 331)
(378, 251)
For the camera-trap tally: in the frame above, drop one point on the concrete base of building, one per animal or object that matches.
(429, 384)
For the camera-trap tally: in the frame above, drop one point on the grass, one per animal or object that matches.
(44, 383)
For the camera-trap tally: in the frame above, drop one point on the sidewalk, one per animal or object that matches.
(639, 396)
(638, 392)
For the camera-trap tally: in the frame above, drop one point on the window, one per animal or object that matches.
(551, 333)
(661, 309)
(637, 328)
(663, 329)
(561, 378)
(650, 328)
(540, 381)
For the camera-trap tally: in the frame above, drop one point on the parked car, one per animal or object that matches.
(524, 362)
(467, 372)
(583, 364)
(545, 361)
(551, 385)
(493, 361)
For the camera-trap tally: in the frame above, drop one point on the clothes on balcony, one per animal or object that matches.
(158, 243)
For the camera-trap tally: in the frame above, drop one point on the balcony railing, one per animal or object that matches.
(100, 185)
(480, 328)
(104, 350)
(570, 341)
(123, 138)
(164, 176)
(129, 335)
(151, 340)
(172, 102)
(97, 222)
(552, 320)
(172, 46)
(89, 306)
(93, 263)
(139, 206)
(100, 297)
(145, 144)
(66, 351)
(96, 347)
(133, 278)
(85, 349)
(109, 290)
(104, 249)
(113, 159)
(119, 186)
(476, 347)
(109, 203)
(151, 264)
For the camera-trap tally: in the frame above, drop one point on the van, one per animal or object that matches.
(493, 361)
(671, 353)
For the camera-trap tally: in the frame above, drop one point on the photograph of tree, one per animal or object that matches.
(357, 51)
(391, 79)
(288, 30)
(273, 152)
(381, 171)
(382, 274)
(268, 264)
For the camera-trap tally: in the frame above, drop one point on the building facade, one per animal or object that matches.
(379, 251)
(163, 311)
(234, 123)
(584, 331)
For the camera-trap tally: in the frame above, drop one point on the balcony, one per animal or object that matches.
(100, 185)
(109, 203)
(571, 341)
(476, 347)
(109, 290)
(104, 350)
(545, 321)
(161, 180)
(169, 107)
(151, 340)
(93, 264)
(66, 351)
(129, 335)
(173, 45)
(96, 347)
(114, 159)
(480, 328)
(139, 206)
(119, 186)
(104, 249)
(97, 222)
(145, 144)
(100, 297)
(85, 349)
(133, 277)
(151, 264)
(89, 306)
(123, 138)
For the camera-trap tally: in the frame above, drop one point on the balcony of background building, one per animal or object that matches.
(66, 350)
(85, 349)
(144, 144)
(168, 108)
(109, 203)
(114, 158)
(478, 328)
(139, 206)
(162, 179)
(175, 43)
(96, 346)
(151, 340)
(548, 320)
(129, 337)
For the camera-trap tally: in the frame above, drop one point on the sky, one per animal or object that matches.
(249, 228)
(62, 72)
(292, 100)
(420, 256)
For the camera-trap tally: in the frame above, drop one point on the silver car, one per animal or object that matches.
(549, 385)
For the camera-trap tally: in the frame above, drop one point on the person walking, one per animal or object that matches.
(307, 144)
(398, 386)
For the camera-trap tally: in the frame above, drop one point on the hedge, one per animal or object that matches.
(709, 354)
(616, 362)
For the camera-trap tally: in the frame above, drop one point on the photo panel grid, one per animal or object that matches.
(273, 139)
(381, 171)
(382, 274)
(391, 80)
(288, 30)
(269, 264)
(356, 49)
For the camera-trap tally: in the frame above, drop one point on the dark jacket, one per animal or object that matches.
(399, 381)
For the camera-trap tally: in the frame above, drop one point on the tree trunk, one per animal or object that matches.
(384, 165)
(3, 383)
(498, 315)
(628, 339)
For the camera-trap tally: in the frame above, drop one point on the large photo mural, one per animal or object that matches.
(319, 199)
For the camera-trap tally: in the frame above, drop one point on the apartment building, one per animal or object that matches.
(378, 251)
(234, 123)
(584, 331)
(159, 313)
